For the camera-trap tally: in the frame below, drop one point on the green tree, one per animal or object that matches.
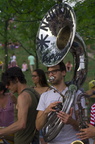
(85, 14)
(19, 22)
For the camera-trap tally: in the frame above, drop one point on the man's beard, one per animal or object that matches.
(55, 82)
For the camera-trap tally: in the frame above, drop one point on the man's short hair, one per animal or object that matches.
(12, 74)
(62, 66)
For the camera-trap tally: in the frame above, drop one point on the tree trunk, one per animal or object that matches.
(37, 64)
(5, 45)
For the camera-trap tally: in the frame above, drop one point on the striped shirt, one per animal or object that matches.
(92, 115)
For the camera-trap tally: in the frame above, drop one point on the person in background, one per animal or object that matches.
(24, 127)
(69, 66)
(52, 98)
(14, 64)
(40, 81)
(13, 57)
(24, 66)
(9, 65)
(90, 131)
(91, 89)
(31, 60)
(92, 117)
(41, 86)
(13, 60)
(7, 109)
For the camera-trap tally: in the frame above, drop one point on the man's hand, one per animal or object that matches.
(66, 118)
(87, 132)
(42, 115)
(50, 108)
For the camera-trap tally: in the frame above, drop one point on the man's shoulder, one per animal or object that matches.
(31, 92)
(47, 92)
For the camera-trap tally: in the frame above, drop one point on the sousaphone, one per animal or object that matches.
(55, 38)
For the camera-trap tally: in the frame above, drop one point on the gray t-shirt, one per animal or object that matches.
(67, 133)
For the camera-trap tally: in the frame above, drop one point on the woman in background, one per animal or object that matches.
(40, 81)
(24, 66)
(7, 107)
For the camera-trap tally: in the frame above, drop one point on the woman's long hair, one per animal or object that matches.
(42, 77)
(3, 88)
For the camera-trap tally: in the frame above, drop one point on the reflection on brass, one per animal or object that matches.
(77, 142)
(63, 37)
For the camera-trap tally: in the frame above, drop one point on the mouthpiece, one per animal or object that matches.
(51, 79)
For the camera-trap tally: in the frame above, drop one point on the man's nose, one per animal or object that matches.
(51, 74)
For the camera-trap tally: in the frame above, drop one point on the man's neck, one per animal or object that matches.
(21, 87)
(60, 87)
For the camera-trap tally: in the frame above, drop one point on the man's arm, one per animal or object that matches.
(41, 119)
(23, 103)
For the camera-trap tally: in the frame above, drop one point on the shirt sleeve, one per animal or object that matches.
(92, 115)
(41, 104)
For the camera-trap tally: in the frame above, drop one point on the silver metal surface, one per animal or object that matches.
(56, 34)
(79, 53)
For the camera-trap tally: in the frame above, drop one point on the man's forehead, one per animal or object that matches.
(53, 67)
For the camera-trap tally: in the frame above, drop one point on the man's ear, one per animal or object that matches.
(63, 73)
(15, 81)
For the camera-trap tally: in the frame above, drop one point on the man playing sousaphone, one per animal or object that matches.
(48, 102)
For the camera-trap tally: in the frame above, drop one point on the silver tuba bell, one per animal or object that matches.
(55, 38)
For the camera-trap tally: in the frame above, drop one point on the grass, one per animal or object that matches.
(22, 55)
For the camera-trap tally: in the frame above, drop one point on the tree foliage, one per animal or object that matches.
(19, 22)
(23, 18)
(85, 13)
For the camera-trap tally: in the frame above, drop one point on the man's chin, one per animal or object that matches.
(53, 83)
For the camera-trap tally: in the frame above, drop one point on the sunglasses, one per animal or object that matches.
(53, 71)
(34, 75)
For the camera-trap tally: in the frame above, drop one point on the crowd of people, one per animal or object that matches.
(13, 63)
(34, 104)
